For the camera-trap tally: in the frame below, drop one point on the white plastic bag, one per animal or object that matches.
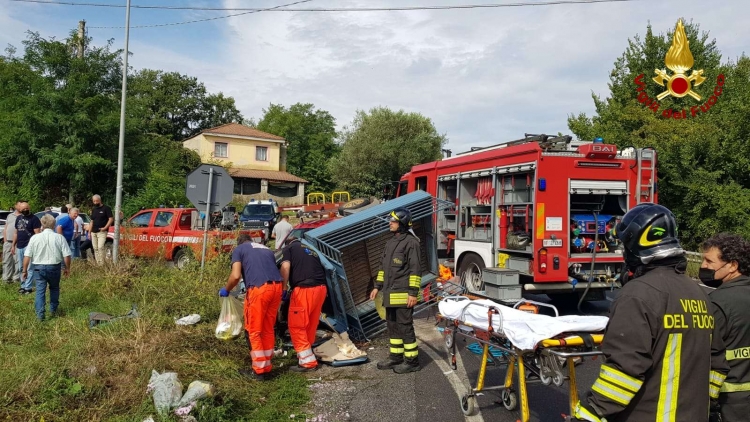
(167, 390)
(230, 319)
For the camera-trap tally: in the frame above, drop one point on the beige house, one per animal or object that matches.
(256, 160)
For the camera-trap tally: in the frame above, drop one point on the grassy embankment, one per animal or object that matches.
(60, 370)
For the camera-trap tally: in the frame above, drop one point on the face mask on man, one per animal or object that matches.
(25, 212)
(708, 277)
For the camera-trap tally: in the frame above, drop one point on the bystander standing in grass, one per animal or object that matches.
(46, 251)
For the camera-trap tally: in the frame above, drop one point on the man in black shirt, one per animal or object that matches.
(301, 268)
(27, 225)
(101, 220)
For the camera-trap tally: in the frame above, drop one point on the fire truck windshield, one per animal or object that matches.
(257, 210)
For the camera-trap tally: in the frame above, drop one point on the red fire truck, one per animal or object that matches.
(536, 214)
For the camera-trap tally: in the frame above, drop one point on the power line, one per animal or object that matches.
(335, 9)
(200, 20)
(283, 8)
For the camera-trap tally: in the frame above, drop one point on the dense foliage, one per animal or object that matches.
(60, 122)
(704, 160)
(380, 146)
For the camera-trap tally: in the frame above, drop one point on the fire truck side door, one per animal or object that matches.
(139, 231)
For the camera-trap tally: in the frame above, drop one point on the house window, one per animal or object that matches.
(220, 150)
(261, 153)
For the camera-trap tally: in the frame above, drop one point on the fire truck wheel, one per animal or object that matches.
(353, 205)
(470, 272)
(181, 258)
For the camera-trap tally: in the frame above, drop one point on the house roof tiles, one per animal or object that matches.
(279, 176)
(236, 129)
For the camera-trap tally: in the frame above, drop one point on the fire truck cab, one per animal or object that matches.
(536, 214)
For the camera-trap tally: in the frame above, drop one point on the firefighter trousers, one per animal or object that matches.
(400, 324)
(261, 305)
(304, 312)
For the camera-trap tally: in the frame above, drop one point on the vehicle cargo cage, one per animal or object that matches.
(354, 246)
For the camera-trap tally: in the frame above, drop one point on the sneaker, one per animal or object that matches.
(407, 367)
(252, 374)
(389, 364)
(297, 368)
(24, 291)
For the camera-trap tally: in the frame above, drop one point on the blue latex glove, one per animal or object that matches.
(223, 292)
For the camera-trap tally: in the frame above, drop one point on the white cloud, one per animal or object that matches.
(484, 75)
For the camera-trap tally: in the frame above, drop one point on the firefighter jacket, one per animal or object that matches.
(661, 359)
(400, 273)
(732, 315)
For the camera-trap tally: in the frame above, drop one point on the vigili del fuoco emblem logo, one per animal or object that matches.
(679, 84)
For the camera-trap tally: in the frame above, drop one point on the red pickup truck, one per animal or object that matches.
(174, 234)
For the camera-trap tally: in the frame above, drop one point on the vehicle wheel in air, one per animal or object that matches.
(470, 272)
(354, 204)
(182, 258)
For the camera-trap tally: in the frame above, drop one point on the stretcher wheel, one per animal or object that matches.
(468, 403)
(558, 379)
(545, 379)
(510, 400)
(449, 341)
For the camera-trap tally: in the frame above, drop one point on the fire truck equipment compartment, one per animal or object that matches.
(354, 247)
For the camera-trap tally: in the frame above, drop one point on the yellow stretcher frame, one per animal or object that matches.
(548, 351)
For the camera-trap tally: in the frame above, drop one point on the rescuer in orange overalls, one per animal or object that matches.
(301, 267)
(256, 264)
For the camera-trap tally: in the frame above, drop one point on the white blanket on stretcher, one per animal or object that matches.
(523, 329)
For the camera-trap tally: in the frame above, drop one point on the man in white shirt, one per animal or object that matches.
(280, 232)
(47, 250)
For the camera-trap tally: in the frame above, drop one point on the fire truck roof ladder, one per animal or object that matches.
(546, 142)
(650, 187)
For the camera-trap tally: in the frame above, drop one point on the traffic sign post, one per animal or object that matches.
(215, 185)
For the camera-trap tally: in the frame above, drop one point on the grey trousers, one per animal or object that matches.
(10, 268)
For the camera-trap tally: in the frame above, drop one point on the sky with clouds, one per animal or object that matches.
(484, 76)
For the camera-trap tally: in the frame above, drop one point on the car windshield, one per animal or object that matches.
(257, 210)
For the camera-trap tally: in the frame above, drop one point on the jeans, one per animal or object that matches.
(47, 275)
(75, 248)
(98, 240)
(27, 283)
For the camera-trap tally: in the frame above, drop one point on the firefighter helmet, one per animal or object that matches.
(403, 216)
(648, 233)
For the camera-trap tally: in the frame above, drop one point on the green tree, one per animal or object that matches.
(178, 106)
(380, 146)
(310, 135)
(703, 160)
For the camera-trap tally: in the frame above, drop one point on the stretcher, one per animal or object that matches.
(534, 348)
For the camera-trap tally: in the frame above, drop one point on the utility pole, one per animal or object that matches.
(121, 146)
(81, 38)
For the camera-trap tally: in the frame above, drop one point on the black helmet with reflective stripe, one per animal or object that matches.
(649, 234)
(402, 216)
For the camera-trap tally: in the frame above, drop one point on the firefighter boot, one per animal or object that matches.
(409, 365)
(390, 363)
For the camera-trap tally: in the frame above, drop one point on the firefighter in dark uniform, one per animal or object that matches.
(399, 279)
(660, 359)
(726, 265)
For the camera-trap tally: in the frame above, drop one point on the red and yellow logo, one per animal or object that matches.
(679, 84)
(679, 60)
